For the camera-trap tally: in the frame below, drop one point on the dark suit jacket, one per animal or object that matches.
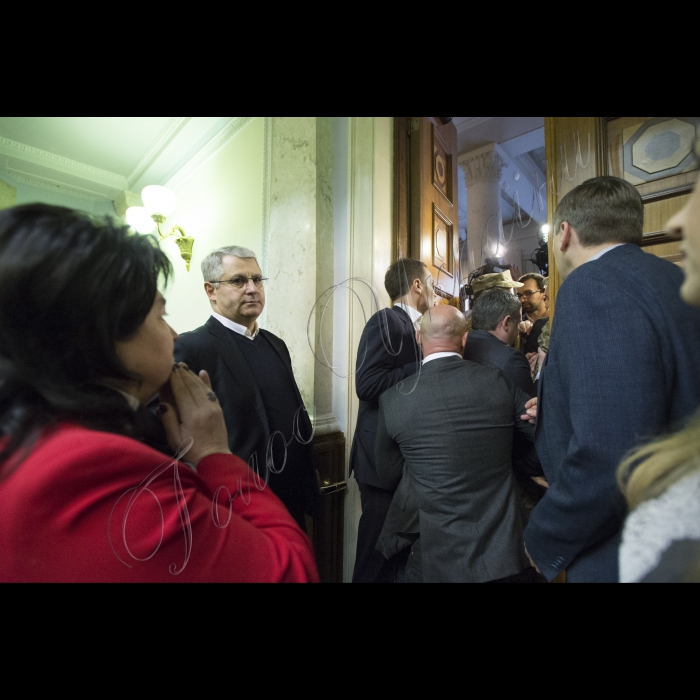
(213, 348)
(453, 435)
(622, 368)
(485, 349)
(388, 354)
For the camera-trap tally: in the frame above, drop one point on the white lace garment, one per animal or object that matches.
(655, 525)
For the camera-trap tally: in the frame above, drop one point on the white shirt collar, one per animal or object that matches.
(440, 356)
(606, 251)
(236, 327)
(412, 313)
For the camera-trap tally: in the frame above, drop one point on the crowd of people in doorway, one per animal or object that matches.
(506, 447)
(514, 449)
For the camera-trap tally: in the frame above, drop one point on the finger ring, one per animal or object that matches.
(212, 397)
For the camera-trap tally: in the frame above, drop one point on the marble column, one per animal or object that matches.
(299, 253)
(482, 171)
(8, 195)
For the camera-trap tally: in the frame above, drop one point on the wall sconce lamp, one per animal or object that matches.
(158, 204)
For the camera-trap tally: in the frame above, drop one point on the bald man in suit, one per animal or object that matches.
(447, 446)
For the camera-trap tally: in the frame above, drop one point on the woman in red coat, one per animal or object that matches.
(84, 346)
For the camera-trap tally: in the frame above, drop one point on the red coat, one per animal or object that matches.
(96, 507)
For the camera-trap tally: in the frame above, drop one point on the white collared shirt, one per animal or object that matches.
(440, 356)
(415, 316)
(605, 251)
(237, 327)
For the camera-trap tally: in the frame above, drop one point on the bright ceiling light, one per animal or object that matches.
(546, 229)
(140, 220)
(159, 200)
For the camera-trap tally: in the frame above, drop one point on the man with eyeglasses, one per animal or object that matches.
(534, 300)
(252, 376)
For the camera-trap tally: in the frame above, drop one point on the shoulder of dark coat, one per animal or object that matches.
(393, 315)
(274, 340)
(630, 272)
(196, 337)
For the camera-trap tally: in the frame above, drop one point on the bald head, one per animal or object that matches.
(443, 329)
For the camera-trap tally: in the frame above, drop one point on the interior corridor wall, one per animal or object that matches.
(29, 194)
(219, 204)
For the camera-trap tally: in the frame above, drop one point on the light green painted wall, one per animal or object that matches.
(8, 195)
(28, 194)
(220, 204)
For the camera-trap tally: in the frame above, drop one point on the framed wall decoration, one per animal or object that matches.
(443, 242)
(442, 168)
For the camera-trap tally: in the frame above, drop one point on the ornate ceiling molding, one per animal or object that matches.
(171, 130)
(209, 150)
(47, 184)
(21, 151)
(469, 123)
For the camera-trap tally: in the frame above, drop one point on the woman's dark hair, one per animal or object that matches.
(71, 286)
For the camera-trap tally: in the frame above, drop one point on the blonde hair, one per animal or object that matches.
(647, 472)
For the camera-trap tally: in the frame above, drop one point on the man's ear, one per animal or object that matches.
(464, 340)
(418, 338)
(210, 290)
(567, 232)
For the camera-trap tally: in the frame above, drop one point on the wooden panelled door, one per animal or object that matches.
(426, 215)
(653, 153)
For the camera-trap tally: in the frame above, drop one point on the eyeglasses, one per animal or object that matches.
(239, 282)
(527, 295)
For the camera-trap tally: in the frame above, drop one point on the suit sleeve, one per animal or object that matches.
(381, 342)
(517, 372)
(603, 385)
(389, 460)
(523, 427)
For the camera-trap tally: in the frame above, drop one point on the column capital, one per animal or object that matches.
(482, 165)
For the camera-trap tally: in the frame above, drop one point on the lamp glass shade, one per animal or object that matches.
(140, 220)
(159, 200)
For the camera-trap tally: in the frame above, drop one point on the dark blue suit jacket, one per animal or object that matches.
(388, 354)
(622, 369)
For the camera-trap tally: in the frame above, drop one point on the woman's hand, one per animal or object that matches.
(194, 415)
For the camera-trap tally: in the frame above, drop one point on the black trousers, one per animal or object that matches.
(371, 565)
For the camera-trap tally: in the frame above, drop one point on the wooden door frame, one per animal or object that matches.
(600, 149)
(401, 239)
